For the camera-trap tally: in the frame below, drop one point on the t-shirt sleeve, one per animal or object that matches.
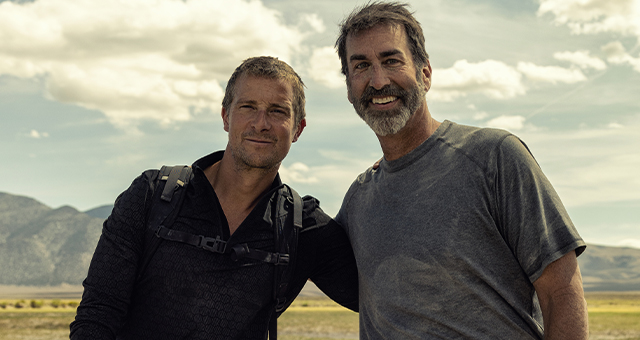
(342, 218)
(531, 217)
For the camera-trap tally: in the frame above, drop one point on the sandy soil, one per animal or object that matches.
(71, 292)
(68, 292)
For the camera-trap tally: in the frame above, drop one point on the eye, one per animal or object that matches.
(361, 65)
(280, 111)
(391, 61)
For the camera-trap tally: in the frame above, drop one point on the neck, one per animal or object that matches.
(417, 130)
(238, 189)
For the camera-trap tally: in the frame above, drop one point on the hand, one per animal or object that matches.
(376, 164)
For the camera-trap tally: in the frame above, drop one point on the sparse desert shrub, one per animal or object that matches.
(73, 304)
(36, 304)
(56, 303)
(20, 304)
(3, 304)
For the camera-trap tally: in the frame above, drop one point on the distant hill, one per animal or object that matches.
(610, 268)
(41, 246)
(44, 246)
(100, 212)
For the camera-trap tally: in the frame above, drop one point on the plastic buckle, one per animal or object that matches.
(280, 304)
(216, 245)
(281, 259)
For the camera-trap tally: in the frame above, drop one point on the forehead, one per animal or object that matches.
(263, 89)
(380, 38)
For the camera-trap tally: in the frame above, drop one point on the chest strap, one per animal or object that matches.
(217, 245)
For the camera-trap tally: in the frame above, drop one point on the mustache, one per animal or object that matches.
(387, 90)
(260, 136)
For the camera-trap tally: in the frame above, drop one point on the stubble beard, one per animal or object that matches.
(247, 160)
(389, 122)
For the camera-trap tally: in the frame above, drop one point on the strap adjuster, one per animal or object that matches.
(216, 245)
(279, 259)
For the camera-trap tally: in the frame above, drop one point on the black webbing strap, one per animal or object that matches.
(297, 209)
(176, 178)
(243, 251)
(164, 208)
(282, 277)
(216, 245)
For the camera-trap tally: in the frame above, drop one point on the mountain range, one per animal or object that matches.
(41, 246)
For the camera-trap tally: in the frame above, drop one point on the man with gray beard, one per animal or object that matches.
(457, 234)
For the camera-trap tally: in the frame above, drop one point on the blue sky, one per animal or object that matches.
(94, 92)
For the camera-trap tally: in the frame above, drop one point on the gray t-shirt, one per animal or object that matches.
(449, 238)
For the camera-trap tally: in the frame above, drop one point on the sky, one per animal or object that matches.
(93, 92)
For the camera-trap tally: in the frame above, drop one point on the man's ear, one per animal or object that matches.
(301, 126)
(225, 119)
(426, 76)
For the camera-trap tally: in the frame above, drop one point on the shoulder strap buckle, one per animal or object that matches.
(216, 245)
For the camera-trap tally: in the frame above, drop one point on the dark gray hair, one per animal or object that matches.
(387, 13)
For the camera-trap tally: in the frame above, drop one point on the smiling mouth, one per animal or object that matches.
(383, 100)
(260, 141)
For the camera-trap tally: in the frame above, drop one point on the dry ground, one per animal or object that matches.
(612, 316)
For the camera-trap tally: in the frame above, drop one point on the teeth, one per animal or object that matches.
(383, 100)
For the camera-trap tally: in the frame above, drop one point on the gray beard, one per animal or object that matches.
(385, 123)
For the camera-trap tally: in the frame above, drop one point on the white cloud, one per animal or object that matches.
(511, 123)
(595, 16)
(324, 67)
(140, 59)
(617, 54)
(551, 74)
(314, 21)
(582, 59)
(601, 167)
(630, 242)
(491, 78)
(480, 115)
(37, 135)
(296, 173)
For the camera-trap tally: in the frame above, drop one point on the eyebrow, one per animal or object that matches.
(283, 107)
(246, 101)
(383, 54)
(390, 53)
(255, 102)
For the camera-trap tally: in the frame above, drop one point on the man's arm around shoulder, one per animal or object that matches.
(564, 309)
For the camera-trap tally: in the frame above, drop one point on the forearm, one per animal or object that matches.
(564, 309)
(566, 316)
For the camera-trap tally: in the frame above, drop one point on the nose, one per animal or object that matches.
(260, 120)
(379, 78)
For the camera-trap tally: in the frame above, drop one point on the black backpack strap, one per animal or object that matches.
(289, 244)
(286, 235)
(166, 205)
(168, 191)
